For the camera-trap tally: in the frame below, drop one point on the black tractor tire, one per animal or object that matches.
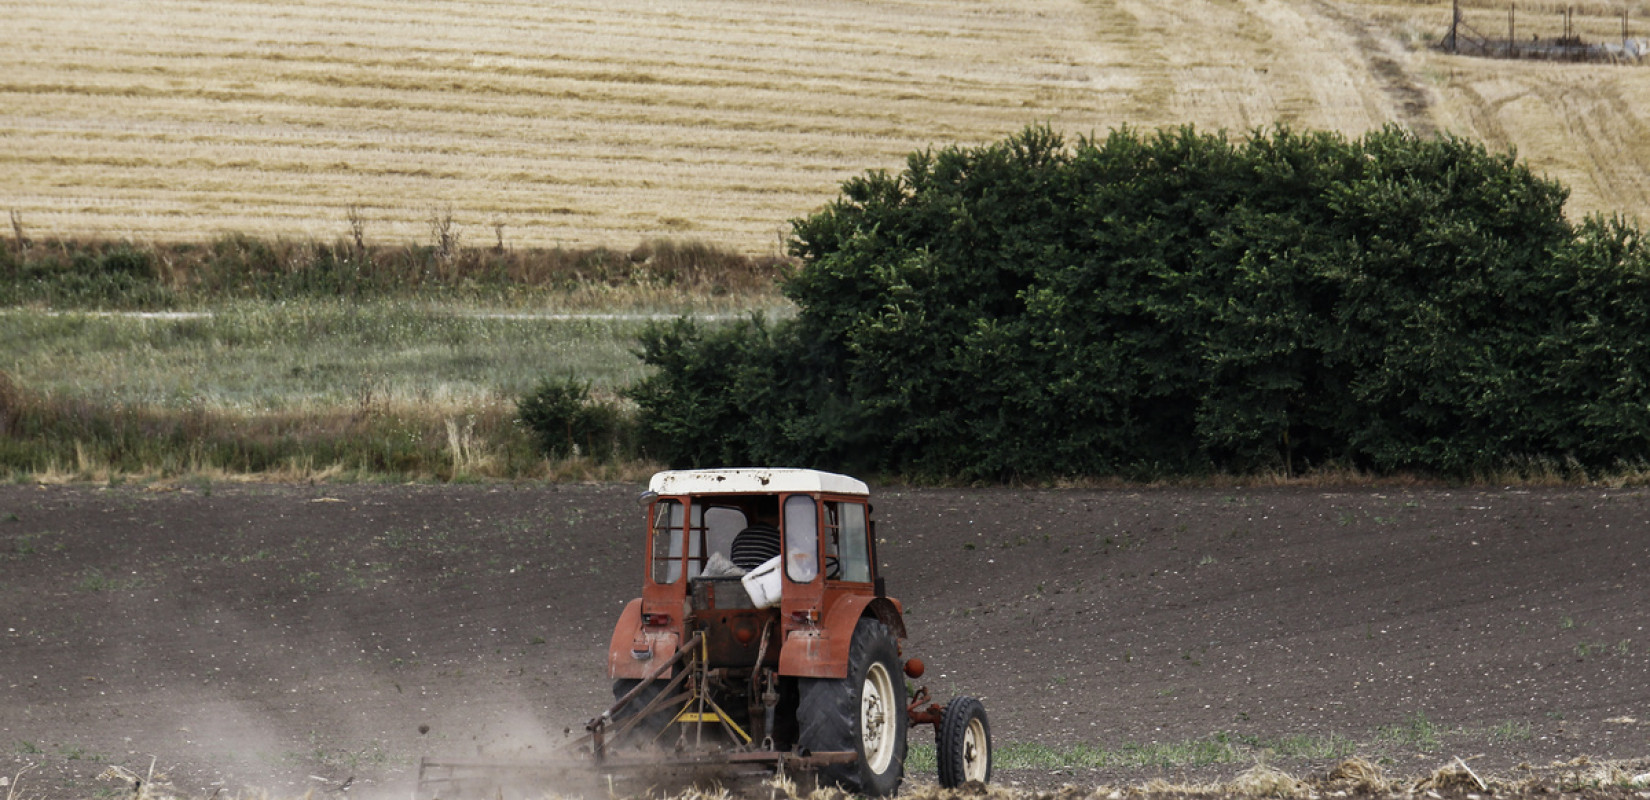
(863, 712)
(963, 743)
(648, 729)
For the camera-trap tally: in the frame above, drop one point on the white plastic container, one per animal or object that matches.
(762, 584)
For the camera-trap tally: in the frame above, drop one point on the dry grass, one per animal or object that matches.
(1359, 776)
(1582, 773)
(1454, 777)
(581, 123)
(1266, 781)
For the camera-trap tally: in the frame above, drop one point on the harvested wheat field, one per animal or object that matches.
(275, 640)
(592, 123)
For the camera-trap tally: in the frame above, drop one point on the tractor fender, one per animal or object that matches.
(630, 641)
(822, 651)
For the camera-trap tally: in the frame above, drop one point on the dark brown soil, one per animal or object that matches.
(292, 638)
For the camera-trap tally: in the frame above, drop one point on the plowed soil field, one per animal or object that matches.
(297, 638)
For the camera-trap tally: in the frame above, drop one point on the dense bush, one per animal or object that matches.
(744, 394)
(565, 421)
(1180, 303)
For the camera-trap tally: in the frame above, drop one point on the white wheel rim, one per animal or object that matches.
(976, 751)
(877, 723)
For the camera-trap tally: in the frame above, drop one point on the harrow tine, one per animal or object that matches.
(598, 727)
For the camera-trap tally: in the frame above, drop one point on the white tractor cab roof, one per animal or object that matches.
(752, 480)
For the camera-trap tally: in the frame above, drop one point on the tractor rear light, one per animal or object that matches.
(655, 620)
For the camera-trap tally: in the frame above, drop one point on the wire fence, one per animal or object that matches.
(1544, 31)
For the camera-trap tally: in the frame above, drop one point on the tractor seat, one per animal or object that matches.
(754, 546)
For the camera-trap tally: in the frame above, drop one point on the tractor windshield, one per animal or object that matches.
(847, 550)
(666, 532)
(722, 527)
(801, 538)
(742, 529)
(721, 532)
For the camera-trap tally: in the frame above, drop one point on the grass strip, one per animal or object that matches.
(296, 390)
(1220, 748)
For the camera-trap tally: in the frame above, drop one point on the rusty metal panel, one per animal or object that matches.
(812, 653)
(635, 650)
(720, 593)
(821, 651)
(733, 638)
(618, 648)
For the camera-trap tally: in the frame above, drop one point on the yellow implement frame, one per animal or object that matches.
(694, 710)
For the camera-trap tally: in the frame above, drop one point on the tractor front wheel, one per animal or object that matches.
(964, 743)
(863, 712)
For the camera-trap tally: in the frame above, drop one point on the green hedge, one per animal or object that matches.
(107, 274)
(1174, 303)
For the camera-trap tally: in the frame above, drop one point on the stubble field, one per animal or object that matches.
(586, 123)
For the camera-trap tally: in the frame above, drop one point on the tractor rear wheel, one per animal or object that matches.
(964, 743)
(648, 729)
(863, 712)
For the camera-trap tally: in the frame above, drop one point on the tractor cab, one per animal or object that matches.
(709, 530)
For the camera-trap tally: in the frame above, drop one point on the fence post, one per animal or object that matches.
(1454, 22)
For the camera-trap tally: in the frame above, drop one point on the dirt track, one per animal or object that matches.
(293, 637)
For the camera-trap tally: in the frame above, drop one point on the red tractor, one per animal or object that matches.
(764, 636)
